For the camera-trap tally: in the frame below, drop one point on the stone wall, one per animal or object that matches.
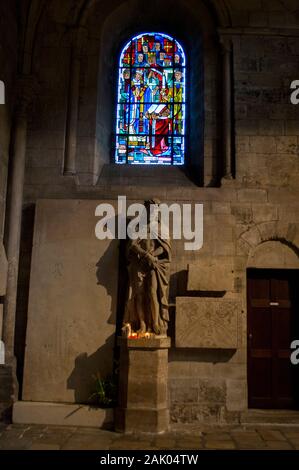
(8, 70)
(208, 370)
(264, 13)
(8, 66)
(266, 123)
(260, 205)
(207, 378)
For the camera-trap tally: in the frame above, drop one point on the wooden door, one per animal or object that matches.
(273, 315)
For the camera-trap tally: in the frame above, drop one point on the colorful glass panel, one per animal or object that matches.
(151, 107)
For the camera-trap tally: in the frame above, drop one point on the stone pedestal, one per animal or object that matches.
(143, 391)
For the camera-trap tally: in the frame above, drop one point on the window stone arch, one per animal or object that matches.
(193, 25)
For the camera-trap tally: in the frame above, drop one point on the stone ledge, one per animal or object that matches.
(61, 414)
(273, 417)
(144, 343)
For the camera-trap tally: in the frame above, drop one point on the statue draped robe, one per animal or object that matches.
(147, 298)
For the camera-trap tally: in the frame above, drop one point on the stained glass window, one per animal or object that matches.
(151, 106)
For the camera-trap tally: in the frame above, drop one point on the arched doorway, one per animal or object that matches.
(272, 324)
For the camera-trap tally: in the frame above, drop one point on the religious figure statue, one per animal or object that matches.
(146, 310)
(160, 127)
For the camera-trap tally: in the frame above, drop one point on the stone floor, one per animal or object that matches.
(36, 437)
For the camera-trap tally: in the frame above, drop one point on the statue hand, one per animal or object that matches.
(152, 260)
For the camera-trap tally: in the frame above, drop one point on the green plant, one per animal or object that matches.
(105, 391)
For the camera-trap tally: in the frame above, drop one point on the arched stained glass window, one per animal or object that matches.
(151, 107)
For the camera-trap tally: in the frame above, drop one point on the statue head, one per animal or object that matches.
(152, 206)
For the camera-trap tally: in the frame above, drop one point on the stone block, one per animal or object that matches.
(141, 421)
(242, 213)
(221, 208)
(283, 195)
(146, 393)
(243, 248)
(155, 361)
(61, 414)
(287, 144)
(252, 236)
(246, 127)
(289, 213)
(267, 230)
(271, 127)
(242, 144)
(264, 212)
(247, 64)
(184, 391)
(292, 126)
(236, 395)
(241, 111)
(72, 308)
(258, 18)
(232, 369)
(211, 391)
(252, 195)
(195, 413)
(261, 144)
(211, 273)
(203, 322)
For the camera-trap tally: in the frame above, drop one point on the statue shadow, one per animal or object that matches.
(87, 368)
(103, 362)
(106, 278)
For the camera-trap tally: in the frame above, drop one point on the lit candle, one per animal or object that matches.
(133, 336)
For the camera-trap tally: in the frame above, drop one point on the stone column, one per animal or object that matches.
(143, 386)
(226, 45)
(79, 36)
(14, 212)
(3, 281)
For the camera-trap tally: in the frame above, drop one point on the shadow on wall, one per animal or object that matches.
(106, 276)
(201, 355)
(101, 362)
(82, 377)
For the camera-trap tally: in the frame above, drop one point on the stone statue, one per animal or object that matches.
(146, 310)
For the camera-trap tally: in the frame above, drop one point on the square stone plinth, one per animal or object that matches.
(203, 322)
(143, 382)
